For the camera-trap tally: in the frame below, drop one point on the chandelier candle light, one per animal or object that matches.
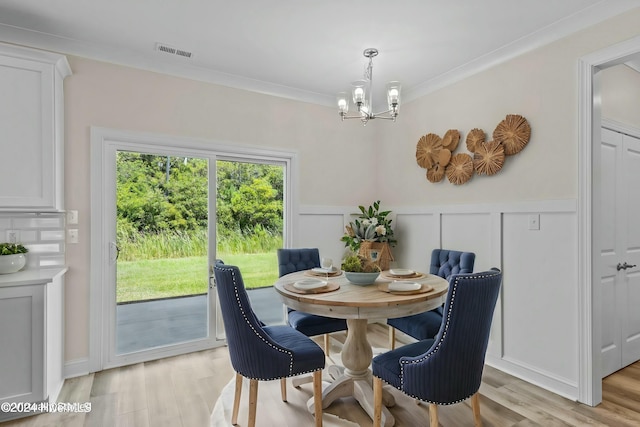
(362, 97)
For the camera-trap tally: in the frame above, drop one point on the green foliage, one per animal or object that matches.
(372, 225)
(163, 218)
(162, 205)
(158, 193)
(165, 278)
(12, 249)
(177, 244)
(358, 264)
(249, 195)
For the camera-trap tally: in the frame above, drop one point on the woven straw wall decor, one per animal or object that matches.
(460, 169)
(436, 173)
(513, 132)
(451, 140)
(437, 154)
(475, 137)
(427, 150)
(488, 158)
(444, 157)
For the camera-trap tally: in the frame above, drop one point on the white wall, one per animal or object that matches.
(620, 95)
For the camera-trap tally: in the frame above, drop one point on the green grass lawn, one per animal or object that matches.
(171, 277)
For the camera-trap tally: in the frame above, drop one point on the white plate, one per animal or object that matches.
(404, 286)
(307, 284)
(401, 272)
(324, 270)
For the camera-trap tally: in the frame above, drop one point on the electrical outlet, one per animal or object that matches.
(13, 236)
(534, 222)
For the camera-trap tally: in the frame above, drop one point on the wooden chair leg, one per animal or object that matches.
(392, 337)
(327, 345)
(253, 402)
(475, 406)
(377, 402)
(236, 399)
(317, 396)
(433, 415)
(283, 389)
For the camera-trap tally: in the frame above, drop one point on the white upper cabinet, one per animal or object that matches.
(31, 129)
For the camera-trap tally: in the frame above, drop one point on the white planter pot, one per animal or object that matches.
(12, 263)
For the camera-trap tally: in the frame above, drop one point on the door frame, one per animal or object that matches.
(104, 140)
(589, 296)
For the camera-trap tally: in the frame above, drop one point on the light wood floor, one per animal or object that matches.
(181, 391)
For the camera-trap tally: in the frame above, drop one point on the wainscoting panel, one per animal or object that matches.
(540, 294)
(322, 230)
(470, 232)
(534, 333)
(417, 235)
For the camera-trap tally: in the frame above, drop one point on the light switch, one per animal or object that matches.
(72, 217)
(72, 235)
(534, 222)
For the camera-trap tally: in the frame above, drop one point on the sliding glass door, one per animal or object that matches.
(250, 221)
(163, 210)
(162, 235)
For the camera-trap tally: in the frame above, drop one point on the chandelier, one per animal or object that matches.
(362, 96)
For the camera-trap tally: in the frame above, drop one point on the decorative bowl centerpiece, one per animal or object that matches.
(359, 270)
(12, 257)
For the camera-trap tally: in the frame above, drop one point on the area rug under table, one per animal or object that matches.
(271, 410)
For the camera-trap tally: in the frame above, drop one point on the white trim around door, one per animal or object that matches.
(589, 296)
(104, 144)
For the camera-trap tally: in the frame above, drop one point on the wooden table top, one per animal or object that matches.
(357, 301)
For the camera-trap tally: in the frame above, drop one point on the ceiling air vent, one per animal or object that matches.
(160, 47)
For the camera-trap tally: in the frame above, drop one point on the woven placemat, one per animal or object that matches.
(415, 275)
(384, 287)
(331, 286)
(318, 274)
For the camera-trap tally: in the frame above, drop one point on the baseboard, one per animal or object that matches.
(76, 368)
(547, 381)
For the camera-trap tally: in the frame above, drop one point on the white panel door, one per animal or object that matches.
(630, 276)
(620, 251)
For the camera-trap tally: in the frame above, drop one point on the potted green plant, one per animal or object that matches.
(12, 257)
(359, 270)
(371, 235)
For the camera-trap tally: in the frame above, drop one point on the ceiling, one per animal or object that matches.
(302, 49)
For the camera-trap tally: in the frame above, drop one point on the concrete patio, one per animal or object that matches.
(147, 324)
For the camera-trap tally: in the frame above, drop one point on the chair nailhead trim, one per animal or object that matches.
(258, 334)
(437, 347)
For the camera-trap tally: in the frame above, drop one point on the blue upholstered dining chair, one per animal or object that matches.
(425, 325)
(263, 353)
(290, 261)
(448, 368)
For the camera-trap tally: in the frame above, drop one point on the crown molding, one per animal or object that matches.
(152, 61)
(595, 14)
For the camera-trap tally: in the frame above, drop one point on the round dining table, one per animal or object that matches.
(358, 304)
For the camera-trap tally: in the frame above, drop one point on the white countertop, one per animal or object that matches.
(33, 276)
